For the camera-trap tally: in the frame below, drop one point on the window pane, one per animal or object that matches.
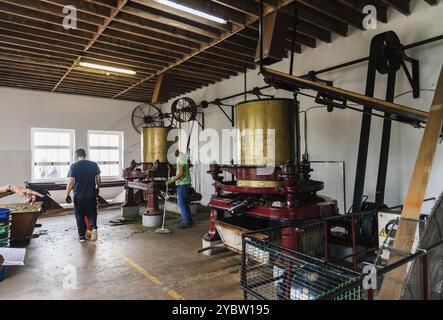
(104, 140)
(94, 140)
(39, 138)
(104, 155)
(51, 139)
(50, 172)
(63, 171)
(60, 143)
(40, 155)
(114, 155)
(52, 155)
(64, 155)
(113, 141)
(64, 139)
(94, 155)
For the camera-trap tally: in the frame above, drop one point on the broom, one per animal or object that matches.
(163, 229)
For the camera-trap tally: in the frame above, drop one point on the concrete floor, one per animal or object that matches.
(128, 262)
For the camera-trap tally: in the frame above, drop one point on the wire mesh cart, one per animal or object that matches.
(272, 271)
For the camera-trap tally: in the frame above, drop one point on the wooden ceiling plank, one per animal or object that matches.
(170, 23)
(248, 7)
(44, 26)
(319, 19)
(9, 8)
(20, 57)
(151, 33)
(161, 28)
(336, 10)
(403, 6)
(85, 6)
(56, 10)
(180, 13)
(215, 9)
(146, 42)
(108, 20)
(156, 53)
(382, 11)
(4, 25)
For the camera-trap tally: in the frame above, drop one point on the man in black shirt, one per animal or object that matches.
(84, 179)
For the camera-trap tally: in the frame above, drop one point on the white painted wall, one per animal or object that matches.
(22, 109)
(335, 136)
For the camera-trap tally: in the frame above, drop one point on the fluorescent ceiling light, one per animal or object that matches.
(192, 11)
(106, 68)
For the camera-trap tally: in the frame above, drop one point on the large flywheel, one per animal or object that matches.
(146, 115)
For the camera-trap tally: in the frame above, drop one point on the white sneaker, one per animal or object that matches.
(94, 235)
(81, 240)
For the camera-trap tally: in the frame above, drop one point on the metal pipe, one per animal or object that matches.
(261, 32)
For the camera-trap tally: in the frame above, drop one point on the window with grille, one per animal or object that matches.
(106, 148)
(52, 153)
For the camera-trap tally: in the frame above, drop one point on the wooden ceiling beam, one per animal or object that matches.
(403, 6)
(248, 7)
(9, 8)
(317, 18)
(112, 14)
(358, 5)
(182, 14)
(22, 57)
(204, 48)
(336, 10)
(215, 9)
(161, 28)
(144, 41)
(55, 10)
(44, 26)
(432, 2)
(142, 31)
(106, 3)
(26, 31)
(86, 7)
(170, 22)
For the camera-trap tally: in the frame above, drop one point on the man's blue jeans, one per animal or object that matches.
(183, 203)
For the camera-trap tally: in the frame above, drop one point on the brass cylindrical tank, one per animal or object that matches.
(256, 145)
(155, 145)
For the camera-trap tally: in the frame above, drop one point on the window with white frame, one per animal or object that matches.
(52, 153)
(106, 148)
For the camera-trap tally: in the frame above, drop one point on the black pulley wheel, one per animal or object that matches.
(390, 52)
(184, 109)
(146, 115)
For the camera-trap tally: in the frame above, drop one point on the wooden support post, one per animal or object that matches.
(394, 281)
(162, 89)
(275, 33)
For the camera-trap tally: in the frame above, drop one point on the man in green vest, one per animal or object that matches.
(182, 180)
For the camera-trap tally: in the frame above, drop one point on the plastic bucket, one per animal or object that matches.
(5, 216)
